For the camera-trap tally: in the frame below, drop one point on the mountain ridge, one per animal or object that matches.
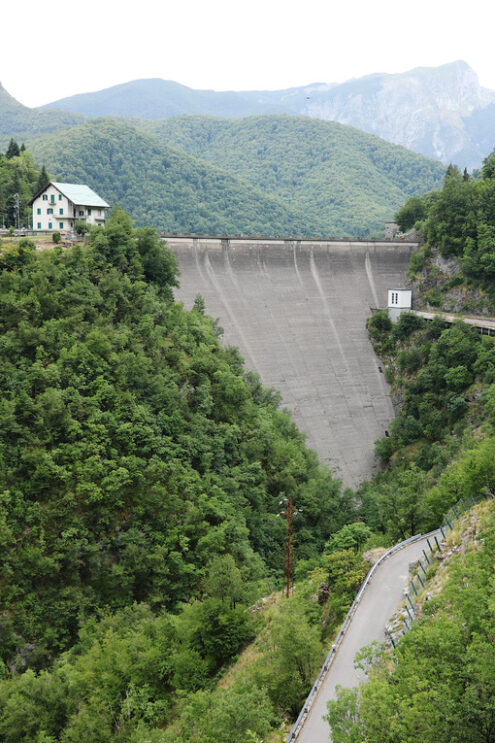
(20, 122)
(161, 186)
(431, 110)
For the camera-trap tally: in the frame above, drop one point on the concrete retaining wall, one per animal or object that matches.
(297, 311)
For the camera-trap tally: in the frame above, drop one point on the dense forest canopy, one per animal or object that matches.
(445, 379)
(163, 187)
(344, 179)
(141, 470)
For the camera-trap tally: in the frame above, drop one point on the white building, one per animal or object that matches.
(59, 205)
(399, 300)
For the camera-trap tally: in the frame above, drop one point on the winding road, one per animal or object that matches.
(380, 598)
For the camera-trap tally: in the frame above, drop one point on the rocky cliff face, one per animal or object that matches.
(425, 110)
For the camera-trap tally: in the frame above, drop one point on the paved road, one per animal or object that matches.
(383, 594)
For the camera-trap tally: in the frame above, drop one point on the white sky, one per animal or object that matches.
(50, 49)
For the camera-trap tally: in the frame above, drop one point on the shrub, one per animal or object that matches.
(409, 361)
(407, 324)
(416, 263)
(81, 228)
(434, 297)
(380, 322)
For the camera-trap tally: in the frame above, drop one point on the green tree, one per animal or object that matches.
(224, 580)
(199, 304)
(401, 503)
(292, 658)
(488, 169)
(43, 179)
(351, 536)
(12, 150)
(343, 716)
(413, 211)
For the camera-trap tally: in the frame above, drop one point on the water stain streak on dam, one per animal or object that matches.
(297, 311)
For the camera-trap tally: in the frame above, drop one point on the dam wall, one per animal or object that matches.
(297, 311)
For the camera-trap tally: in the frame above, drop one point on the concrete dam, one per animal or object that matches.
(297, 311)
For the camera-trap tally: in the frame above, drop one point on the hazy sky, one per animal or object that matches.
(49, 50)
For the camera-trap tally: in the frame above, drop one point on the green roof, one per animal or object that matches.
(80, 195)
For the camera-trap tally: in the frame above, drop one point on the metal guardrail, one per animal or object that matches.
(296, 728)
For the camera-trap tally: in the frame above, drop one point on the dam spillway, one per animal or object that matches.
(297, 311)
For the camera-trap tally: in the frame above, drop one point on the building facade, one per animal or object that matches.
(58, 206)
(399, 300)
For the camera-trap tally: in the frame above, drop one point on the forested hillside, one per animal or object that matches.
(337, 175)
(268, 175)
(163, 187)
(442, 377)
(141, 471)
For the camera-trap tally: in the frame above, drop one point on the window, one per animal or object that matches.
(52, 198)
(99, 212)
(38, 211)
(49, 211)
(39, 225)
(61, 225)
(60, 197)
(81, 212)
(45, 197)
(89, 212)
(60, 211)
(50, 225)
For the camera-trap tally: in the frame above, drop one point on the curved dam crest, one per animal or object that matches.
(297, 311)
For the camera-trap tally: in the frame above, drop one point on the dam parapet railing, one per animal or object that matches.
(286, 238)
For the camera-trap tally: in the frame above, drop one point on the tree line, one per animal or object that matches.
(20, 180)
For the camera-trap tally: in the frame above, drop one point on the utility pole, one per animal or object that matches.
(16, 206)
(289, 513)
